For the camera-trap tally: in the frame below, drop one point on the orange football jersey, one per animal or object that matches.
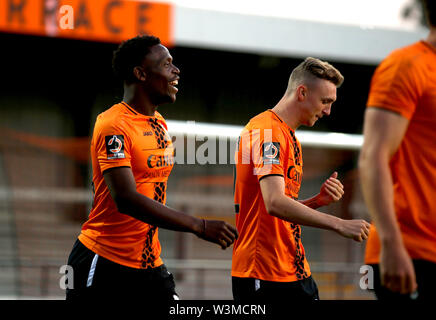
(125, 138)
(268, 248)
(405, 83)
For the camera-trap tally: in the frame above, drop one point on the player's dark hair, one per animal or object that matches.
(430, 11)
(130, 54)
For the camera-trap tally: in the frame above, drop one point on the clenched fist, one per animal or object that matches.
(219, 232)
(357, 229)
(332, 190)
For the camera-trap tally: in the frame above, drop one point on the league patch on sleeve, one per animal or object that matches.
(115, 147)
(271, 153)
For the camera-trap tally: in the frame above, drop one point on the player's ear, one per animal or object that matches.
(301, 92)
(139, 73)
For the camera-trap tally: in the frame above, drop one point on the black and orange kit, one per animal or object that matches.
(268, 255)
(113, 247)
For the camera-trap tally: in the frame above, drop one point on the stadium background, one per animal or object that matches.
(51, 90)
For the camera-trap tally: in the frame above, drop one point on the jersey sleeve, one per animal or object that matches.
(112, 145)
(397, 84)
(268, 151)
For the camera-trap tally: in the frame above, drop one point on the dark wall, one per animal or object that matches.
(232, 87)
(215, 86)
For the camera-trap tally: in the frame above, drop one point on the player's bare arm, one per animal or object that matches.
(121, 184)
(281, 206)
(383, 133)
(332, 190)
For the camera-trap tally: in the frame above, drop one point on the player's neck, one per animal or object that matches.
(138, 101)
(288, 114)
(431, 38)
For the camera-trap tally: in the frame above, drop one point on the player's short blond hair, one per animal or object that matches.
(312, 68)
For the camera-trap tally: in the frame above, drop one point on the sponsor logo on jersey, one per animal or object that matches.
(157, 161)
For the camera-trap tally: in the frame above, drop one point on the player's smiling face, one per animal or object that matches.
(162, 76)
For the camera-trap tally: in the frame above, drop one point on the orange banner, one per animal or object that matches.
(95, 20)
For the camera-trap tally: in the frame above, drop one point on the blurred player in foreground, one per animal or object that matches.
(269, 262)
(398, 170)
(117, 254)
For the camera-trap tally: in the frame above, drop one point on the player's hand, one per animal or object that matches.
(332, 190)
(396, 269)
(218, 232)
(357, 229)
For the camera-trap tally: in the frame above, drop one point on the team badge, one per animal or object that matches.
(115, 147)
(271, 153)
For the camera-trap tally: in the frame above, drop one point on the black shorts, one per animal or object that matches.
(98, 278)
(425, 272)
(249, 289)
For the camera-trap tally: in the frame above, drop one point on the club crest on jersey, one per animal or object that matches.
(115, 147)
(271, 153)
